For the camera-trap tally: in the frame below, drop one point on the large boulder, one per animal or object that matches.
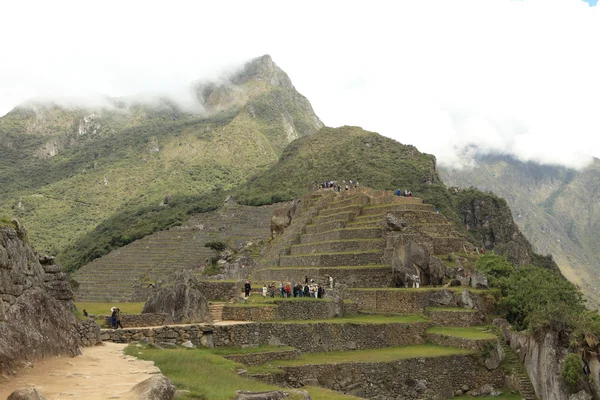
(183, 302)
(26, 394)
(36, 321)
(158, 387)
(282, 217)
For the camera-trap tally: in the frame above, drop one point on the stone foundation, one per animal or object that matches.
(417, 378)
(220, 290)
(249, 313)
(352, 277)
(200, 335)
(139, 320)
(321, 337)
(89, 333)
(396, 301)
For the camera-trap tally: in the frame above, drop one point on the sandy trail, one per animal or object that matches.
(101, 372)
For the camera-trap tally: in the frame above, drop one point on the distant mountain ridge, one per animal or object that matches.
(65, 170)
(557, 209)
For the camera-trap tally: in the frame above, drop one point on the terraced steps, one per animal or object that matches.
(342, 234)
(333, 246)
(332, 259)
(513, 364)
(216, 311)
(370, 276)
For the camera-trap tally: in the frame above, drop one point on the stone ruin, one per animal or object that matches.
(36, 304)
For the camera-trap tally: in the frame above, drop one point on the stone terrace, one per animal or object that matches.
(124, 274)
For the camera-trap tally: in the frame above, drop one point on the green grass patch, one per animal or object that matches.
(248, 350)
(362, 356)
(104, 308)
(450, 309)
(363, 319)
(478, 332)
(431, 289)
(204, 374)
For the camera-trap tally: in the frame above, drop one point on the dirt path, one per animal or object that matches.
(102, 372)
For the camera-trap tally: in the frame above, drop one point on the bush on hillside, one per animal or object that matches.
(572, 371)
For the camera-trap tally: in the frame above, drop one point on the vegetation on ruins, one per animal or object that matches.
(572, 371)
(538, 298)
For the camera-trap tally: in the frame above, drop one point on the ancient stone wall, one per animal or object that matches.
(397, 301)
(319, 337)
(200, 335)
(352, 277)
(139, 320)
(264, 357)
(310, 337)
(89, 333)
(220, 290)
(249, 313)
(417, 378)
(415, 302)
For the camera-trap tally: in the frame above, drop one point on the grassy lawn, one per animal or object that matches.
(361, 356)
(104, 308)
(248, 350)
(450, 309)
(363, 319)
(209, 376)
(478, 332)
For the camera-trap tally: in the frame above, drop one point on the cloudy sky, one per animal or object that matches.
(517, 77)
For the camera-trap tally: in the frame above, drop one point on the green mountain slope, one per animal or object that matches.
(556, 208)
(65, 171)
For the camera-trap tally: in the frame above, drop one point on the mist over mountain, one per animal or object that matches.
(557, 209)
(63, 170)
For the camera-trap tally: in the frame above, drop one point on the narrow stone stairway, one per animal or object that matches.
(216, 311)
(514, 365)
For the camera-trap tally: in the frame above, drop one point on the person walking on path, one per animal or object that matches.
(247, 289)
(264, 291)
(330, 282)
(113, 317)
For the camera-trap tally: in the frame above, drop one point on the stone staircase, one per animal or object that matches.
(216, 311)
(342, 234)
(125, 273)
(512, 364)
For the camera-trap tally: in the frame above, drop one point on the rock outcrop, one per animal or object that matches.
(35, 304)
(26, 394)
(158, 387)
(183, 302)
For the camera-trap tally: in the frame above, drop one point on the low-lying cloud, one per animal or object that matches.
(453, 78)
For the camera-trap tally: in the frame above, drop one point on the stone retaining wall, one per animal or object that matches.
(200, 335)
(321, 336)
(288, 309)
(353, 277)
(461, 343)
(397, 301)
(264, 357)
(307, 337)
(249, 313)
(89, 333)
(139, 320)
(461, 318)
(417, 378)
(416, 301)
(220, 290)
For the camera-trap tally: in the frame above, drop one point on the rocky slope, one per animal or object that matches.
(35, 304)
(555, 207)
(63, 171)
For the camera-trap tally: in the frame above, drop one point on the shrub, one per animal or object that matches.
(572, 371)
(216, 245)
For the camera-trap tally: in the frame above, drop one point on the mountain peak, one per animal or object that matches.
(263, 69)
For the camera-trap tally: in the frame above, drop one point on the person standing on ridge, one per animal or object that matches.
(247, 289)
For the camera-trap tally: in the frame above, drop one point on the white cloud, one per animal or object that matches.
(520, 77)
